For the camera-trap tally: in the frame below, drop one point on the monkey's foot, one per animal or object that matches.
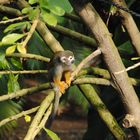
(62, 86)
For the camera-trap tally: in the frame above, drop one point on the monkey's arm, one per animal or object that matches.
(57, 79)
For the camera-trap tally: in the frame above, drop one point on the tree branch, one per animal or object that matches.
(130, 25)
(15, 117)
(43, 121)
(111, 58)
(23, 72)
(98, 81)
(30, 33)
(29, 56)
(84, 62)
(13, 20)
(129, 68)
(9, 10)
(25, 91)
(91, 94)
(73, 34)
(36, 121)
(104, 74)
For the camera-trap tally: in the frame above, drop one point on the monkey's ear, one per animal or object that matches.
(63, 59)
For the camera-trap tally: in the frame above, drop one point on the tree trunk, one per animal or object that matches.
(112, 60)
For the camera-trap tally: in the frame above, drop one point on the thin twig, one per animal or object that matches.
(15, 117)
(23, 72)
(30, 33)
(13, 20)
(25, 91)
(29, 56)
(43, 122)
(129, 68)
(84, 62)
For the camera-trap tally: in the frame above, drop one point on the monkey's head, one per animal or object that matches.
(64, 57)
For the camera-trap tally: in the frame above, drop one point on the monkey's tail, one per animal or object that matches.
(55, 108)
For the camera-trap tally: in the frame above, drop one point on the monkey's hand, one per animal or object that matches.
(62, 86)
(67, 76)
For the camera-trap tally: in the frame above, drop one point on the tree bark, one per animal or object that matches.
(112, 59)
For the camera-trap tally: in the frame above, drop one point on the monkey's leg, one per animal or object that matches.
(61, 84)
(67, 76)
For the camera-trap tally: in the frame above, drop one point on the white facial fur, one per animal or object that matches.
(67, 60)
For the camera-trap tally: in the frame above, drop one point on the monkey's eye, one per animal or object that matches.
(63, 59)
(71, 58)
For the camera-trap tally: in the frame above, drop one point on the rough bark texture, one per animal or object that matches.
(130, 25)
(111, 58)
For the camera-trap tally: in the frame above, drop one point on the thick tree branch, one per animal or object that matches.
(130, 25)
(111, 57)
(95, 100)
(73, 34)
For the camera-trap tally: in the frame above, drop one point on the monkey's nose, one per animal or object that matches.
(72, 61)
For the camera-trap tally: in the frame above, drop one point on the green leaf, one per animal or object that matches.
(43, 3)
(16, 25)
(33, 1)
(51, 134)
(21, 49)
(3, 62)
(64, 4)
(13, 84)
(16, 63)
(11, 49)
(5, 18)
(26, 10)
(12, 38)
(48, 18)
(33, 14)
(57, 10)
(126, 47)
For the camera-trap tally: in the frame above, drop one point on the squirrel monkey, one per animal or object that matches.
(62, 69)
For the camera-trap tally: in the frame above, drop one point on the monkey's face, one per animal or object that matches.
(67, 60)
